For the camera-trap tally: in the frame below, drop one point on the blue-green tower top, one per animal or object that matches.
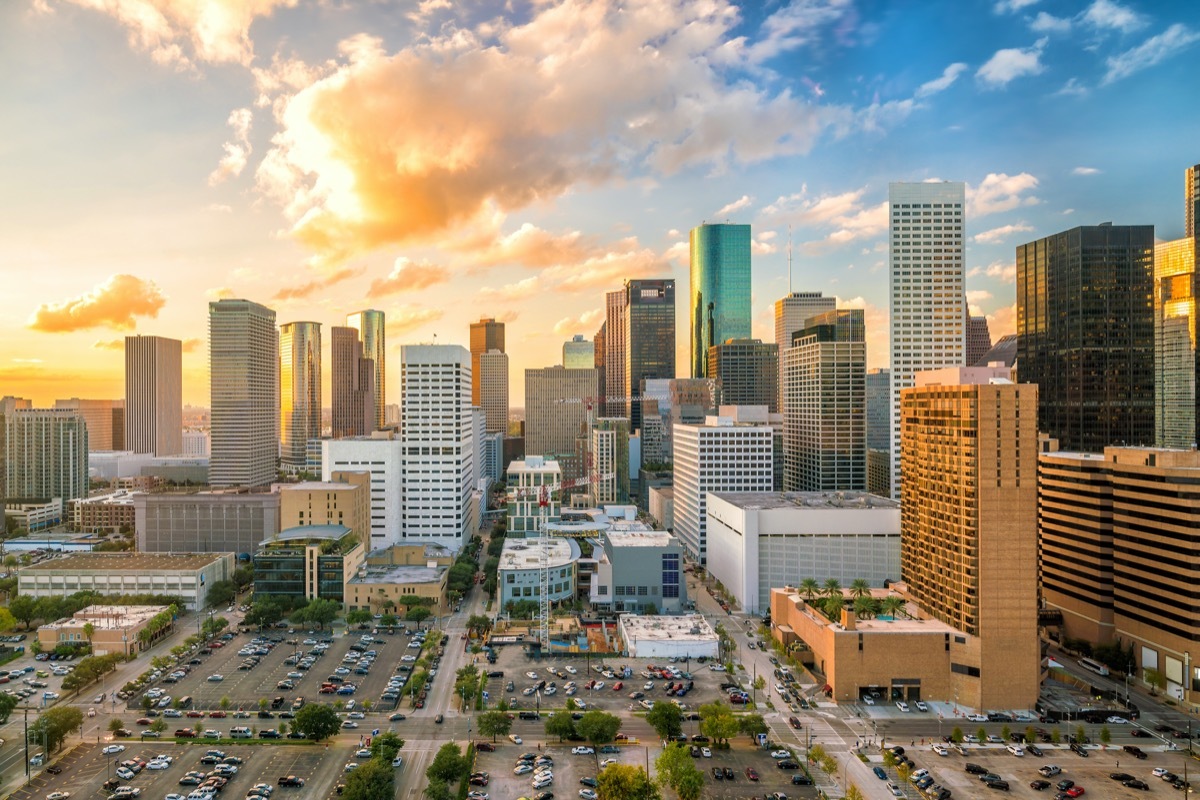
(720, 289)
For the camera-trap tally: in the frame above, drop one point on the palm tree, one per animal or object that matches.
(832, 606)
(864, 607)
(809, 588)
(860, 587)
(891, 605)
(832, 587)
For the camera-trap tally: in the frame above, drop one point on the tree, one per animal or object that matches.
(321, 611)
(666, 719)
(1080, 734)
(418, 614)
(561, 725)
(358, 617)
(860, 587)
(317, 721)
(902, 770)
(677, 770)
(24, 609)
(854, 793)
(159, 725)
(226, 702)
(370, 781)
(889, 758)
(7, 703)
(718, 723)
(753, 724)
(1105, 735)
(832, 588)
(957, 735)
(221, 592)
(981, 734)
(479, 623)
(115, 725)
(1005, 733)
(495, 723)
(865, 607)
(891, 605)
(449, 765)
(437, 790)
(264, 612)
(53, 726)
(598, 727)
(388, 620)
(89, 630)
(623, 782)
(386, 746)
(1055, 737)
(1030, 735)
(809, 588)
(1156, 678)
(832, 607)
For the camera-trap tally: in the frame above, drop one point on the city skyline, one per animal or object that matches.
(200, 161)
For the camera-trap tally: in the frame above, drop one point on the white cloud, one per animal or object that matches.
(1011, 63)
(845, 213)
(237, 151)
(586, 323)
(996, 235)
(1073, 88)
(1150, 52)
(1112, 16)
(975, 297)
(737, 205)
(1085, 171)
(1009, 6)
(800, 23)
(1000, 192)
(949, 76)
(1001, 270)
(1048, 23)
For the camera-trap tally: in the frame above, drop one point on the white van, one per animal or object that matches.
(240, 733)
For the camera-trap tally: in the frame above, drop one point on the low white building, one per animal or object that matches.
(758, 541)
(663, 637)
(188, 576)
(520, 572)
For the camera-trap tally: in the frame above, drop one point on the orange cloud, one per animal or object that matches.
(237, 151)
(312, 287)
(1002, 321)
(409, 275)
(191, 345)
(587, 322)
(113, 304)
(408, 318)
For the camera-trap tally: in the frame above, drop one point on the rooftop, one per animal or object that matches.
(637, 535)
(527, 554)
(121, 497)
(882, 624)
(688, 628)
(126, 562)
(108, 617)
(399, 575)
(768, 500)
(316, 486)
(299, 533)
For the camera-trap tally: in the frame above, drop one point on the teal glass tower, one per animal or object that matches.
(720, 289)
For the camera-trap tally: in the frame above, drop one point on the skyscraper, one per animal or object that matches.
(555, 414)
(244, 388)
(372, 332)
(154, 395)
(968, 523)
(353, 379)
(46, 453)
(609, 470)
(649, 346)
(487, 334)
(879, 403)
(979, 340)
(299, 390)
(579, 353)
(1191, 197)
(600, 342)
(748, 370)
(1176, 357)
(719, 305)
(105, 421)
(615, 358)
(927, 285)
(493, 389)
(1085, 327)
(791, 314)
(825, 426)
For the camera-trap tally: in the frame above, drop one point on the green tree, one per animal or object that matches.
(317, 721)
(718, 723)
(981, 734)
(321, 611)
(7, 703)
(560, 724)
(598, 727)
(677, 770)
(371, 781)
(24, 609)
(860, 587)
(1005, 733)
(437, 790)
(891, 605)
(448, 765)
(854, 793)
(115, 725)
(832, 588)
(358, 617)
(386, 746)
(159, 725)
(957, 735)
(89, 630)
(832, 607)
(221, 592)
(226, 702)
(495, 723)
(1055, 736)
(1030, 735)
(418, 614)
(1155, 678)
(752, 725)
(889, 758)
(623, 782)
(388, 620)
(1080, 734)
(666, 719)
(902, 770)
(53, 726)
(1105, 735)
(479, 623)
(264, 612)
(243, 577)
(865, 607)
(810, 588)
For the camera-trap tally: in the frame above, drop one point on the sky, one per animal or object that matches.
(443, 161)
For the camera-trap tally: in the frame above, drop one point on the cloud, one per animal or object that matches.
(1004, 271)
(1108, 15)
(237, 151)
(220, 293)
(850, 219)
(407, 318)
(1073, 88)
(116, 303)
(191, 345)
(975, 297)
(181, 32)
(519, 290)
(996, 235)
(737, 205)
(409, 275)
(312, 287)
(801, 23)
(1085, 171)
(109, 344)
(1048, 23)
(1151, 52)
(1002, 321)
(527, 246)
(588, 322)
(1011, 63)
(1000, 192)
(624, 260)
(1010, 6)
(949, 76)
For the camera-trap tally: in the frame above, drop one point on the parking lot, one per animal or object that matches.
(86, 768)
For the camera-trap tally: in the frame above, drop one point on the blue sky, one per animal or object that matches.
(519, 160)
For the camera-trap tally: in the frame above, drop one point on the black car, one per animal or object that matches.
(989, 777)
(728, 773)
(1136, 784)
(1034, 750)
(1064, 784)
(1002, 785)
(54, 769)
(1138, 732)
(1134, 751)
(718, 774)
(592, 782)
(1079, 750)
(1120, 776)
(1039, 785)
(787, 764)
(801, 779)
(975, 769)
(291, 780)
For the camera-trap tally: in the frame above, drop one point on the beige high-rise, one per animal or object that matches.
(486, 335)
(969, 524)
(244, 386)
(105, 422)
(556, 413)
(492, 381)
(353, 385)
(153, 395)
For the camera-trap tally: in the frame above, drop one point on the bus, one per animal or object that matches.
(1093, 665)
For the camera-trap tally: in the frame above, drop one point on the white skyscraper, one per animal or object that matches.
(928, 289)
(437, 429)
(382, 455)
(792, 311)
(154, 395)
(244, 374)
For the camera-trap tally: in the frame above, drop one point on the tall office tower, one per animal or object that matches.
(608, 472)
(439, 449)
(353, 379)
(579, 353)
(153, 395)
(486, 335)
(372, 332)
(719, 305)
(649, 324)
(979, 340)
(46, 451)
(1085, 327)
(601, 366)
(299, 391)
(968, 525)
(825, 424)
(792, 312)
(615, 358)
(927, 290)
(555, 414)
(879, 416)
(99, 416)
(243, 364)
(1175, 352)
(748, 370)
(718, 455)
(3, 458)
(1191, 196)
(493, 388)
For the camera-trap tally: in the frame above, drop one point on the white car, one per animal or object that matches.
(570, 669)
(156, 764)
(868, 700)
(582, 751)
(531, 675)
(704, 751)
(349, 723)
(1117, 721)
(125, 773)
(921, 706)
(977, 717)
(606, 762)
(174, 796)
(216, 678)
(588, 794)
(781, 754)
(542, 783)
(599, 685)
(648, 686)
(550, 690)
(225, 769)
(113, 748)
(1016, 750)
(408, 659)
(903, 706)
(522, 769)
(1158, 772)
(350, 766)
(398, 761)
(58, 796)
(357, 715)
(512, 737)
(363, 752)
(49, 695)
(940, 750)
(717, 667)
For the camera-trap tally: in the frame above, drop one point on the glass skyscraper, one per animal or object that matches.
(720, 289)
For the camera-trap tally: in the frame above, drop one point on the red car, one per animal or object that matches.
(144, 721)
(486, 747)
(618, 686)
(185, 733)
(216, 645)
(194, 714)
(217, 714)
(751, 774)
(1075, 791)
(794, 722)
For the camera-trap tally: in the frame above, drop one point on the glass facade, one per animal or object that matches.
(650, 347)
(299, 390)
(670, 575)
(1175, 343)
(719, 305)
(1085, 320)
(372, 332)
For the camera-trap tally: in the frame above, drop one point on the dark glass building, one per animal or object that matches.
(307, 561)
(649, 322)
(1085, 328)
(748, 370)
(720, 289)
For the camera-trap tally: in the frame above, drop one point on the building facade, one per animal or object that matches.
(748, 370)
(608, 472)
(153, 396)
(719, 302)
(878, 400)
(927, 289)
(649, 347)
(345, 500)
(556, 413)
(520, 571)
(1085, 327)
(640, 570)
(1175, 353)
(372, 332)
(382, 457)
(114, 629)
(46, 454)
(188, 576)
(792, 312)
(353, 385)
(105, 421)
(244, 373)
(579, 353)
(979, 340)
(493, 389)
(299, 391)
(525, 479)
(486, 335)
(106, 513)
(205, 522)
(308, 561)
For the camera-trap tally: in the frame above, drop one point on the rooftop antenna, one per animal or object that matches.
(789, 259)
